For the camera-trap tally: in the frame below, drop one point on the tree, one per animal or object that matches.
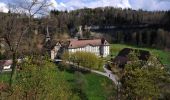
(161, 38)
(143, 80)
(19, 22)
(85, 59)
(38, 79)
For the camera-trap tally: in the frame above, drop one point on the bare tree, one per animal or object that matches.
(19, 22)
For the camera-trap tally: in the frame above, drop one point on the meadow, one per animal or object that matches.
(163, 56)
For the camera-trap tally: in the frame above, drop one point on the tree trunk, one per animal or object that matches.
(13, 73)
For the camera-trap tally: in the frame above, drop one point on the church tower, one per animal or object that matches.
(80, 32)
(47, 44)
(47, 38)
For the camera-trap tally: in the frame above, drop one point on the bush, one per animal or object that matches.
(143, 80)
(38, 79)
(85, 59)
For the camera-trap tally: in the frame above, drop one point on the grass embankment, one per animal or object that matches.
(96, 87)
(4, 77)
(164, 56)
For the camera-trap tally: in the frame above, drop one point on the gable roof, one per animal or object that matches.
(122, 58)
(143, 54)
(82, 43)
(5, 62)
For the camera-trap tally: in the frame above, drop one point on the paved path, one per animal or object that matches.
(94, 71)
(108, 73)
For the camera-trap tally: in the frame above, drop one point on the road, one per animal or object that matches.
(108, 73)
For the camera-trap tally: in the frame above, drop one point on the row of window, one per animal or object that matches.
(90, 49)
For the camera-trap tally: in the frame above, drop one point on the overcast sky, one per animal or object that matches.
(149, 5)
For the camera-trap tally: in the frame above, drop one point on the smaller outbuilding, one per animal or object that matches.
(5, 64)
(122, 58)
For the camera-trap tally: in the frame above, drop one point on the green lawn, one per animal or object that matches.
(164, 56)
(4, 77)
(95, 87)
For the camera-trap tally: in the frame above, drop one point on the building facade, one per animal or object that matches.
(100, 47)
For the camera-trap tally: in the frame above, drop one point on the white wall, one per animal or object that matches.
(52, 54)
(54, 51)
(7, 67)
(95, 50)
(106, 51)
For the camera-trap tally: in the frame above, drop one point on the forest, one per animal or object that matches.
(137, 27)
(35, 76)
(141, 28)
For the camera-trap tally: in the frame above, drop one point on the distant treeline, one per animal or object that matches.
(110, 16)
(142, 28)
(147, 37)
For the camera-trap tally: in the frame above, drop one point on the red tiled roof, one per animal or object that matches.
(82, 43)
(5, 62)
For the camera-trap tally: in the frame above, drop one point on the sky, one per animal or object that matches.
(149, 5)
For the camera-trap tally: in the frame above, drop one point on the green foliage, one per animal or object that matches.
(80, 81)
(65, 56)
(106, 17)
(38, 80)
(4, 77)
(109, 88)
(95, 87)
(142, 80)
(85, 59)
(80, 85)
(98, 87)
(136, 27)
(163, 56)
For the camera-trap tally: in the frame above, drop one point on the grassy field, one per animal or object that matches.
(164, 56)
(4, 78)
(94, 89)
